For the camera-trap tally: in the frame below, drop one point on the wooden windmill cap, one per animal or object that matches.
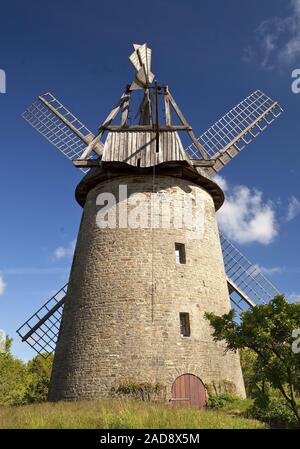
(105, 171)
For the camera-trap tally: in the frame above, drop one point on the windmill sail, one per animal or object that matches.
(60, 127)
(245, 279)
(236, 129)
(246, 284)
(41, 330)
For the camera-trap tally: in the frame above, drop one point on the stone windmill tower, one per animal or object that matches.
(149, 260)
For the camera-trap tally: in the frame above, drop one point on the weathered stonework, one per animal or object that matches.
(121, 317)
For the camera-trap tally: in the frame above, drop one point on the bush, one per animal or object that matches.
(272, 410)
(219, 387)
(221, 401)
(145, 391)
(39, 370)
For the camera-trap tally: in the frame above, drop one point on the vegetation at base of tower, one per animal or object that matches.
(219, 387)
(120, 413)
(272, 369)
(23, 383)
(144, 391)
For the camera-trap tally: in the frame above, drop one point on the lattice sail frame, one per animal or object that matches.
(56, 131)
(41, 330)
(246, 275)
(236, 129)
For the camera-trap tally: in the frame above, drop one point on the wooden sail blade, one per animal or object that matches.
(236, 129)
(41, 330)
(60, 127)
(244, 278)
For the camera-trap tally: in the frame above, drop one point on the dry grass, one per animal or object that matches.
(117, 414)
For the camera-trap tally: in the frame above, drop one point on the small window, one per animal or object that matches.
(180, 253)
(138, 162)
(185, 329)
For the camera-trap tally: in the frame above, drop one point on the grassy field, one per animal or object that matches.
(119, 414)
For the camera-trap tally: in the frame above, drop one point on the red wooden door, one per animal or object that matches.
(188, 390)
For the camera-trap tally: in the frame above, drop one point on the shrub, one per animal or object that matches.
(272, 410)
(217, 388)
(145, 391)
(221, 401)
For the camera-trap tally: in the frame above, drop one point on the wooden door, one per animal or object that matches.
(188, 390)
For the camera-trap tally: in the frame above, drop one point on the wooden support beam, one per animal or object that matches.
(184, 122)
(116, 128)
(106, 122)
(86, 163)
(233, 287)
(202, 163)
(125, 109)
(167, 107)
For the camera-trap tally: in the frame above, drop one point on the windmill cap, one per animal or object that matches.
(106, 171)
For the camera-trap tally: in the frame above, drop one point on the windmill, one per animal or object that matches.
(81, 320)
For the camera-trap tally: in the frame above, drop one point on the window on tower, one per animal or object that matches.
(185, 328)
(180, 253)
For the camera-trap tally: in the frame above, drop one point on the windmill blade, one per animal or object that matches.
(60, 127)
(141, 60)
(236, 129)
(245, 278)
(41, 330)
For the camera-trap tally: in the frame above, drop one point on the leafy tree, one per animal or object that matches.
(13, 378)
(250, 373)
(268, 331)
(39, 369)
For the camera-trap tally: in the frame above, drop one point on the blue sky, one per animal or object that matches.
(212, 53)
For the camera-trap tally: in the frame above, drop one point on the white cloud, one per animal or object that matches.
(245, 217)
(277, 39)
(293, 209)
(221, 181)
(294, 297)
(64, 251)
(2, 285)
(270, 271)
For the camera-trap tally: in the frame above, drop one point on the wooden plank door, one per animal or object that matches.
(188, 390)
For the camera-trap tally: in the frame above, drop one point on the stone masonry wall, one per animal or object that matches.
(121, 317)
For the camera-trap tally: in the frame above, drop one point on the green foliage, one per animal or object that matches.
(250, 373)
(145, 391)
(221, 401)
(39, 370)
(267, 330)
(218, 387)
(13, 378)
(272, 410)
(20, 382)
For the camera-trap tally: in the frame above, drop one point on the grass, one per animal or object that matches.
(119, 414)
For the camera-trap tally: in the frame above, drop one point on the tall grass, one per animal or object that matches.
(117, 414)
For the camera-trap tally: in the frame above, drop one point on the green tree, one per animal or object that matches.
(13, 378)
(268, 331)
(39, 370)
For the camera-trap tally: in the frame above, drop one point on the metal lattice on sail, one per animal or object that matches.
(60, 127)
(236, 129)
(245, 278)
(41, 330)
